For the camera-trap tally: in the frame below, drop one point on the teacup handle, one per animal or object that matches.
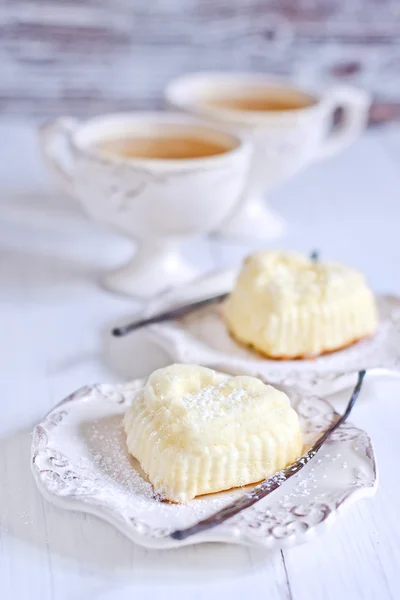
(52, 133)
(355, 104)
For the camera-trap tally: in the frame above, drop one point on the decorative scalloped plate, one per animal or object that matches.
(80, 462)
(203, 338)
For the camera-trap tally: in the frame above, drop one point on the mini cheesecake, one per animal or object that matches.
(195, 431)
(287, 306)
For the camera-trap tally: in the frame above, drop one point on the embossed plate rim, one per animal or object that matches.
(182, 346)
(238, 530)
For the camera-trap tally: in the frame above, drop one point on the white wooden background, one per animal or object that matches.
(55, 323)
(88, 56)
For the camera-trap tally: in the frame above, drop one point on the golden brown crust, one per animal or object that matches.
(301, 356)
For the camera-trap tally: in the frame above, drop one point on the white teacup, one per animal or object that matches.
(150, 190)
(289, 128)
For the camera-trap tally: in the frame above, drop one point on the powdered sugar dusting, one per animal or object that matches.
(106, 444)
(79, 456)
(121, 478)
(214, 401)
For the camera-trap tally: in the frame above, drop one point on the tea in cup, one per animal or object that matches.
(288, 127)
(159, 178)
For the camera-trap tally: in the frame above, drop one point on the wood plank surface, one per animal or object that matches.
(87, 57)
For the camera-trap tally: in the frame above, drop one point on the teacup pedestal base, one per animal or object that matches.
(254, 220)
(154, 268)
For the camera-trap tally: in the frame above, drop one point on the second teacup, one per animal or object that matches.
(157, 177)
(288, 127)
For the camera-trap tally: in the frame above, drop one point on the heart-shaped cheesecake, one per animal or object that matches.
(288, 306)
(195, 431)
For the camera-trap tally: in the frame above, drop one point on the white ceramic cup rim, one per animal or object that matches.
(188, 93)
(111, 126)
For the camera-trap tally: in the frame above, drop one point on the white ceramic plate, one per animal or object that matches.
(203, 338)
(80, 462)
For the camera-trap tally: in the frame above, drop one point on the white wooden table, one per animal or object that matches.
(54, 324)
